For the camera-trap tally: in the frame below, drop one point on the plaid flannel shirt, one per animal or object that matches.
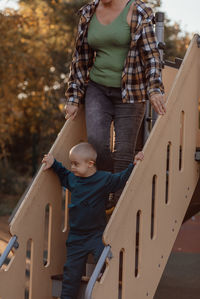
(141, 76)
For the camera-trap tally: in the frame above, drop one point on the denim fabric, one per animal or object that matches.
(104, 105)
(77, 252)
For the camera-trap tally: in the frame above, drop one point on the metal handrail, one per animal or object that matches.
(105, 254)
(12, 243)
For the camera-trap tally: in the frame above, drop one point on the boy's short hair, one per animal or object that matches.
(85, 150)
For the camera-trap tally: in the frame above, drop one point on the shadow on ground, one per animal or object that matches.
(181, 278)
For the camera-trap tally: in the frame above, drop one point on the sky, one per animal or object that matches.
(185, 12)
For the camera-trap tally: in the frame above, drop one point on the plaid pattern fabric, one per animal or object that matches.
(141, 76)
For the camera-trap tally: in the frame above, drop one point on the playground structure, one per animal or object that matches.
(147, 218)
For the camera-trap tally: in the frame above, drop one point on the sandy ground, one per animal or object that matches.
(4, 233)
(4, 236)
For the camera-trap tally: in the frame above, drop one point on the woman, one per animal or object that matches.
(116, 67)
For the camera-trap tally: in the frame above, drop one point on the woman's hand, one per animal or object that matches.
(71, 111)
(48, 161)
(158, 103)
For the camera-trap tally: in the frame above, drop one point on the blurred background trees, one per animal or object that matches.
(36, 43)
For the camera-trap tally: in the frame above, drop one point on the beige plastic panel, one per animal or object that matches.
(29, 224)
(168, 76)
(177, 128)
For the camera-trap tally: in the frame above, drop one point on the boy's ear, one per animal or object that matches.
(91, 163)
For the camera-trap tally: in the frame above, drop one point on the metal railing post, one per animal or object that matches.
(105, 254)
(12, 243)
(159, 29)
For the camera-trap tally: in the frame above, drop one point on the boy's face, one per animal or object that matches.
(79, 166)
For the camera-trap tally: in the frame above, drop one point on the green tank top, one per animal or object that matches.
(111, 43)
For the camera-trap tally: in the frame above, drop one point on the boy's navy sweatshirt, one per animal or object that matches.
(89, 196)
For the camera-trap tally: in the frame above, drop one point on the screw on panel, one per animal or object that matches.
(110, 255)
(16, 245)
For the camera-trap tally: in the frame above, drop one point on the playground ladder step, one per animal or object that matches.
(57, 286)
(57, 280)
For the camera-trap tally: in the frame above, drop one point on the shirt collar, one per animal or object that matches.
(88, 9)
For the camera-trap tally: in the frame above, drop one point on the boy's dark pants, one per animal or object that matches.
(77, 252)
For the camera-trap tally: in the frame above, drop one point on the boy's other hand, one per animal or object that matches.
(48, 161)
(138, 157)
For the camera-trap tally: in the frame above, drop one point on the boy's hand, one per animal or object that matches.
(48, 161)
(138, 157)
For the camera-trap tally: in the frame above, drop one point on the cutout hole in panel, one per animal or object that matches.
(28, 269)
(121, 262)
(65, 199)
(182, 119)
(137, 243)
(153, 199)
(167, 172)
(47, 234)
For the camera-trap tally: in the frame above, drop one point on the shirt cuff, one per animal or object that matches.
(73, 101)
(54, 164)
(154, 91)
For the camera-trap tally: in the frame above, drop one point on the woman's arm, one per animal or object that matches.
(82, 60)
(153, 67)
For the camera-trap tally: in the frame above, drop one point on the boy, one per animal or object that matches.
(87, 218)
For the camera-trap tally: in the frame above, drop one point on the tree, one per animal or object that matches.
(153, 3)
(176, 41)
(29, 83)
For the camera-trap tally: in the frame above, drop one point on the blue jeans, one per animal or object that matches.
(104, 105)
